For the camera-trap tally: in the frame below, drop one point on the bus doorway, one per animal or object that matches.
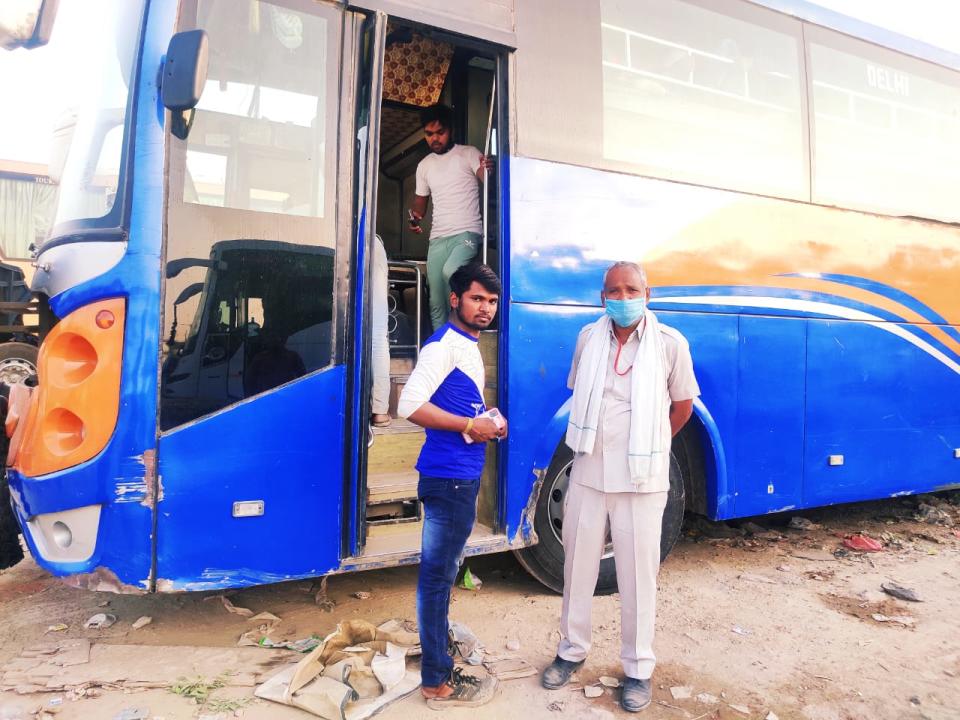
(424, 67)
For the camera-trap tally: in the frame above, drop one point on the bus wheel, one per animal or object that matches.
(18, 361)
(545, 559)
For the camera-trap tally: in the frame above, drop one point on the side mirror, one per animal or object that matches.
(26, 23)
(188, 292)
(175, 267)
(183, 77)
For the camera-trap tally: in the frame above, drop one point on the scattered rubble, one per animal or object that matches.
(900, 592)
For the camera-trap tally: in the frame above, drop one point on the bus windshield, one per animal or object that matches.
(89, 138)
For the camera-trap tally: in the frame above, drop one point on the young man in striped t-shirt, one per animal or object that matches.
(445, 395)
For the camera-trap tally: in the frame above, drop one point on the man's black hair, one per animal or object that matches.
(437, 113)
(472, 272)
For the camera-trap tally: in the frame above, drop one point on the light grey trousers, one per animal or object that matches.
(635, 520)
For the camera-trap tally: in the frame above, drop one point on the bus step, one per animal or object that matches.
(394, 512)
(395, 449)
(391, 487)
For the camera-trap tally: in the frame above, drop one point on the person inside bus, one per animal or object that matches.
(445, 395)
(633, 389)
(450, 174)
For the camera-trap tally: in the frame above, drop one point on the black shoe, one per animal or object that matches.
(635, 695)
(558, 673)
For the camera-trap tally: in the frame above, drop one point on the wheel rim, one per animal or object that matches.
(555, 504)
(16, 370)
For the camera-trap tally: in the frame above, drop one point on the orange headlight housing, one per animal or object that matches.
(73, 411)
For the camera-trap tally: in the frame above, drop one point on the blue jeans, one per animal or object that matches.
(449, 511)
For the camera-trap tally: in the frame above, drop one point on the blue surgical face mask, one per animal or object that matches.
(625, 312)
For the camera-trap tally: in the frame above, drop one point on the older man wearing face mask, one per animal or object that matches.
(633, 389)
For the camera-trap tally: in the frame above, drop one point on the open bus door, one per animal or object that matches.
(260, 407)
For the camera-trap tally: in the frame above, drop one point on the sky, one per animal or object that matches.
(36, 84)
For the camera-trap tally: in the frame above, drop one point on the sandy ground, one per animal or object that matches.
(743, 618)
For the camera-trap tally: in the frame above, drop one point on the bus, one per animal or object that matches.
(787, 176)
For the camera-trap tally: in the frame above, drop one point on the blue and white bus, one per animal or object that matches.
(787, 175)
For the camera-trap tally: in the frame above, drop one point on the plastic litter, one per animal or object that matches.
(59, 627)
(467, 644)
(470, 581)
(100, 621)
(610, 682)
(592, 691)
(141, 622)
(862, 543)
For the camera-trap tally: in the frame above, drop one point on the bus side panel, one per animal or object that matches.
(541, 341)
(715, 345)
(771, 387)
(884, 397)
(280, 449)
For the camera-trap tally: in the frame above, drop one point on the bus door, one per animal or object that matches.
(420, 63)
(261, 226)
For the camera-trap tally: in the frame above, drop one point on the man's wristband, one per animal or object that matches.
(466, 430)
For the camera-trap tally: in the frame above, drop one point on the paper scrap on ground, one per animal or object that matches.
(509, 668)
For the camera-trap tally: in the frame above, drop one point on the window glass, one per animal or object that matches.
(263, 110)
(249, 281)
(94, 92)
(886, 131)
(694, 94)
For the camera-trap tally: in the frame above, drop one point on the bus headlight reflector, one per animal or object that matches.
(61, 534)
(62, 431)
(70, 360)
(73, 411)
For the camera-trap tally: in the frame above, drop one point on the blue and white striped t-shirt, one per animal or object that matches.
(449, 374)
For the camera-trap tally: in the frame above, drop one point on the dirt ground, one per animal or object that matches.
(770, 620)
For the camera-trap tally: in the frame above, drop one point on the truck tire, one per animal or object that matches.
(11, 552)
(18, 362)
(544, 561)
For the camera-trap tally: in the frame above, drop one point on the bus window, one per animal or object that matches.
(709, 96)
(886, 130)
(250, 214)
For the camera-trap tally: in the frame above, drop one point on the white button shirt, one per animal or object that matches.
(607, 468)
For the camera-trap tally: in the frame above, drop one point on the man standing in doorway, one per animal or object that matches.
(445, 395)
(633, 389)
(450, 174)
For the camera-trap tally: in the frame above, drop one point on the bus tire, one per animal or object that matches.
(18, 362)
(544, 561)
(11, 552)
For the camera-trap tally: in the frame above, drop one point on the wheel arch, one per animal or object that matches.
(708, 494)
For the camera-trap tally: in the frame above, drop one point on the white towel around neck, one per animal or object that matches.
(649, 442)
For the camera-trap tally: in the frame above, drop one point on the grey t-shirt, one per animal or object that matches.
(451, 179)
